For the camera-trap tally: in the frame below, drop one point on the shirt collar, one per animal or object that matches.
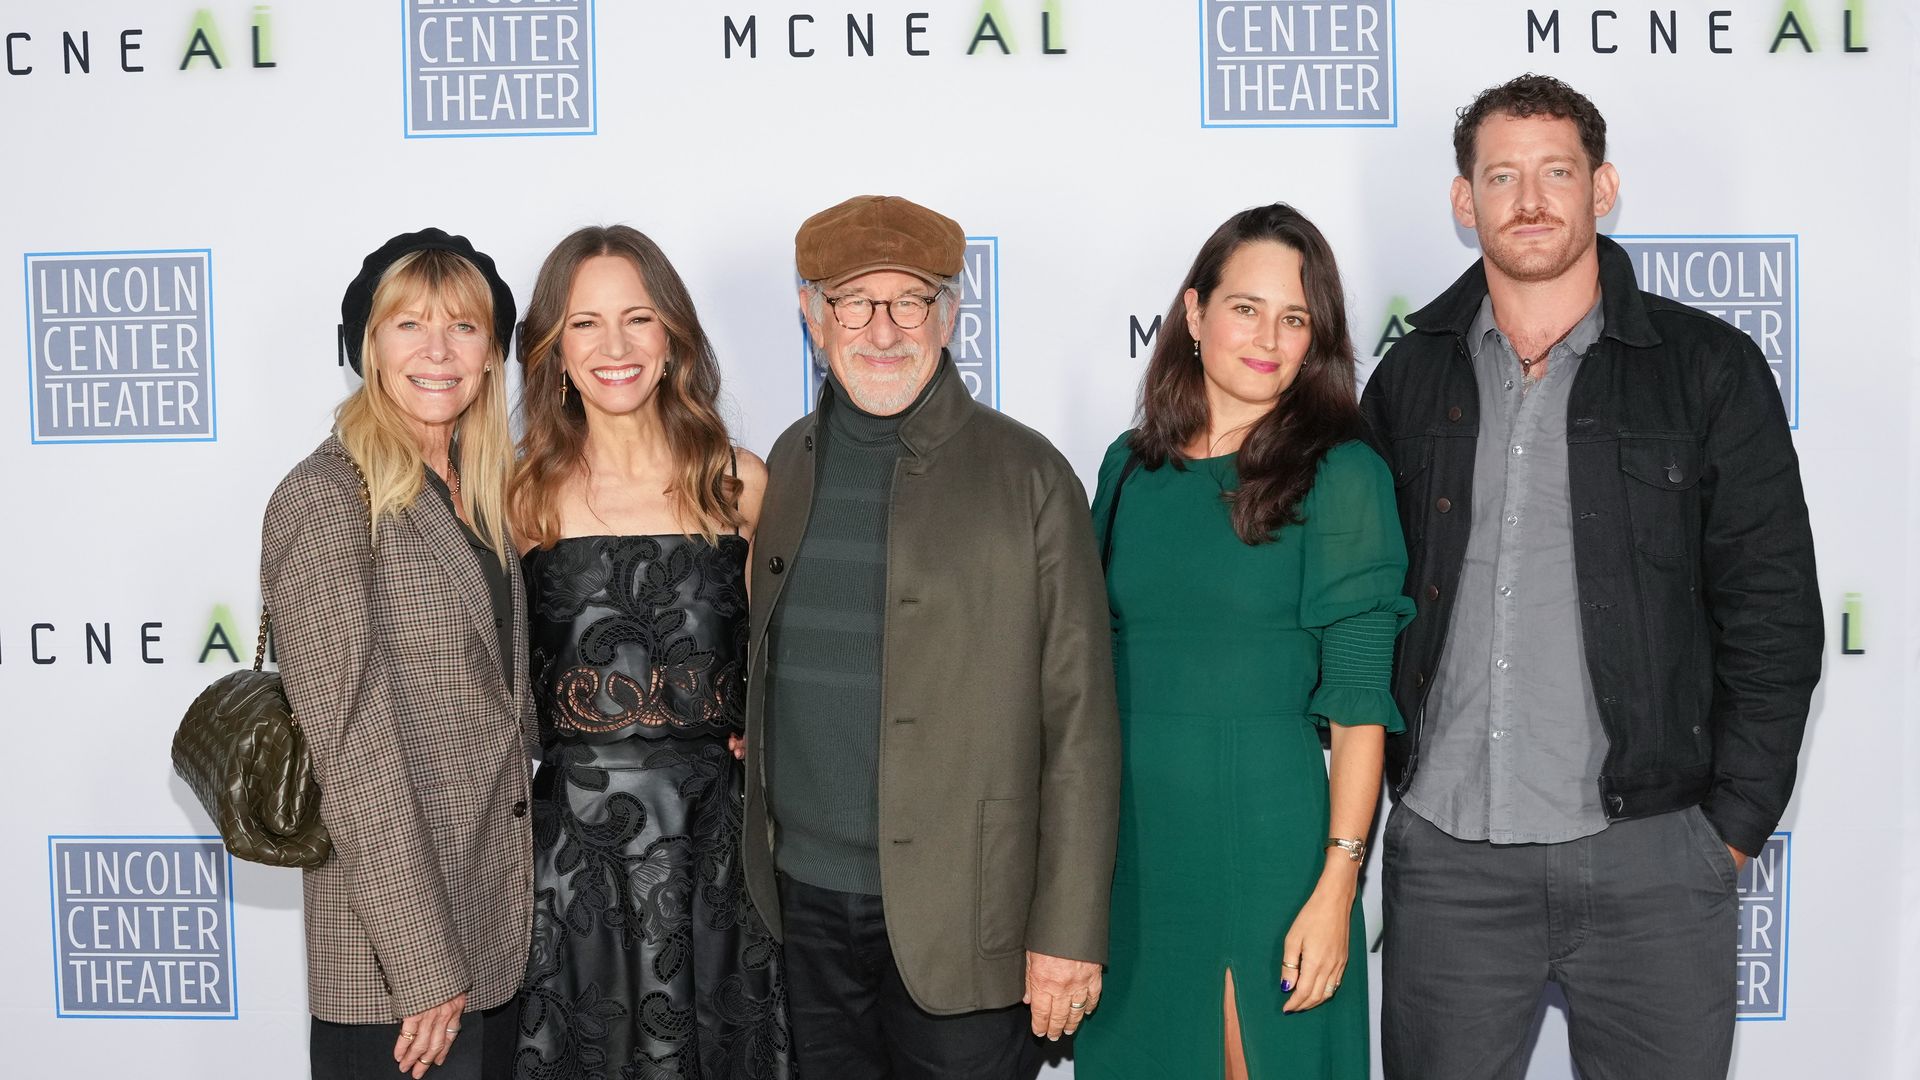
(1577, 342)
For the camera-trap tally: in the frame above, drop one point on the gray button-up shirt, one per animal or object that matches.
(1514, 743)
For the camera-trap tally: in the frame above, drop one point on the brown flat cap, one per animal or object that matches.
(878, 232)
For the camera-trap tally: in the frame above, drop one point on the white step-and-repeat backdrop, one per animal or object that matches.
(188, 188)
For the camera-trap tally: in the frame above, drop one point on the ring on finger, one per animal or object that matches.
(1289, 967)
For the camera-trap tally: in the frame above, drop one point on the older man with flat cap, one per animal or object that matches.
(933, 779)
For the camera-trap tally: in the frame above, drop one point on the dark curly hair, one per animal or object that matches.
(1530, 95)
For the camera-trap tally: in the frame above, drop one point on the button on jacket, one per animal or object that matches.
(1698, 605)
(391, 662)
(999, 773)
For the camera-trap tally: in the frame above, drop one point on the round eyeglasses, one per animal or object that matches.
(907, 312)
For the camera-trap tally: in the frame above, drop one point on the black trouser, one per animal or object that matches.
(483, 1051)
(852, 1016)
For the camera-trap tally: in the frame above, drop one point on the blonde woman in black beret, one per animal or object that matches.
(401, 634)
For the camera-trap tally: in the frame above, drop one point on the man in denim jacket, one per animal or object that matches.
(1619, 630)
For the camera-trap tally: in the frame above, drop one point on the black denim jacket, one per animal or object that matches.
(1694, 560)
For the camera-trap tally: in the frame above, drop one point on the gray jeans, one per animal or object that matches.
(1637, 924)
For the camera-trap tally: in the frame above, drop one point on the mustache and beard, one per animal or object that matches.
(884, 393)
(1536, 258)
(1524, 220)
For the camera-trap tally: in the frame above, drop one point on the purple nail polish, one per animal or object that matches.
(1286, 984)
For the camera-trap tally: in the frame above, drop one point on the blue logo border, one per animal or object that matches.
(213, 382)
(1393, 73)
(406, 88)
(53, 920)
(1799, 365)
(1786, 902)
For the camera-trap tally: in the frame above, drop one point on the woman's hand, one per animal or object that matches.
(738, 744)
(425, 1037)
(1315, 954)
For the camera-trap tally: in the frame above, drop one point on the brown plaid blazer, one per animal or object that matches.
(391, 663)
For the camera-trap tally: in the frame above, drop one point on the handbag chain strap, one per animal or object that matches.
(366, 496)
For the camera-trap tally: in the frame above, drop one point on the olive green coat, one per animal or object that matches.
(999, 745)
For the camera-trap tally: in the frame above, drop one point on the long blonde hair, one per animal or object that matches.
(553, 444)
(370, 424)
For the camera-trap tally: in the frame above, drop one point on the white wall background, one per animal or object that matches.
(1095, 174)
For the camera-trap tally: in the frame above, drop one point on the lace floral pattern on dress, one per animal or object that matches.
(648, 959)
(640, 632)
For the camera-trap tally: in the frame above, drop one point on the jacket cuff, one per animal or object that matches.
(419, 997)
(1746, 834)
(1081, 946)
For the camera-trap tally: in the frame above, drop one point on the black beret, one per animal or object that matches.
(357, 305)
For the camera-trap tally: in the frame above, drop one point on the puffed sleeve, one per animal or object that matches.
(1352, 571)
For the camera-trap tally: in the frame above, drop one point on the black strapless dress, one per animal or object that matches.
(649, 961)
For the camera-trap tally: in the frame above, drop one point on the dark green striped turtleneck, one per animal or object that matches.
(824, 660)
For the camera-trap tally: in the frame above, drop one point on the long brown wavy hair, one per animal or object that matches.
(553, 444)
(1317, 412)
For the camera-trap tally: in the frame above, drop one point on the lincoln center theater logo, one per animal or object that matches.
(976, 327)
(142, 926)
(120, 346)
(1761, 971)
(1297, 62)
(1752, 282)
(499, 67)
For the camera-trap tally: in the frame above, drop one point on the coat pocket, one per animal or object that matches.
(1412, 457)
(454, 817)
(1662, 478)
(1009, 851)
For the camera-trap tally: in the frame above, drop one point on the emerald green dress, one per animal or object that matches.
(1228, 656)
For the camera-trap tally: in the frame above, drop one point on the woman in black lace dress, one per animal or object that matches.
(648, 959)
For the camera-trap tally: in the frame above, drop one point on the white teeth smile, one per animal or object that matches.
(433, 384)
(616, 374)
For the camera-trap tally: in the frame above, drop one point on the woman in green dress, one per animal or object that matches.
(1254, 571)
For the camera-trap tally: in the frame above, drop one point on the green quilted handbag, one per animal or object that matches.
(243, 754)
